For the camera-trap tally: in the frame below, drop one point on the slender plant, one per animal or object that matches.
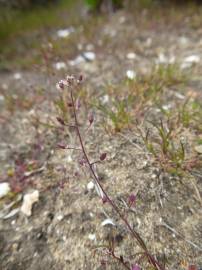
(72, 84)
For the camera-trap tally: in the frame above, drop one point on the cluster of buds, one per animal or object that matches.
(69, 81)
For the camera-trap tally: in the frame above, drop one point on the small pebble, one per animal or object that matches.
(28, 201)
(4, 189)
(90, 186)
(17, 76)
(130, 74)
(131, 56)
(107, 221)
(64, 33)
(60, 65)
(90, 56)
(92, 236)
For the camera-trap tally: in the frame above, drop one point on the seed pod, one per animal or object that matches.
(61, 146)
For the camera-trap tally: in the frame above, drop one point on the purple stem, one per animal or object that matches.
(134, 233)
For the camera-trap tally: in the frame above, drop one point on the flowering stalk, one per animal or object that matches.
(70, 82)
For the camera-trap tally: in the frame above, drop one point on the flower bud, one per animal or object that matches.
(136, 267)
(80, 79)
(104, 199)
(60, 120)
(61, 84)
(90, 118)
(103, 156)
(132, 199)
(70, 79)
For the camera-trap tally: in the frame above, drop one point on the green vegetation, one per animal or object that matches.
(166, 147)
(131, 99)
(17, 22)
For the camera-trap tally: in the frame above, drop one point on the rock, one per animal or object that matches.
(130, 74)
(190, 60)
(107, 221)
(17, 76)
(28, 201)
(131, 56)
(198, 148)
(60, 65)
(89, 56)
(4, 189)
(90, 186)
(83, 58)
(2, 98)
(64, 33)
(78, 60)
(104, 99)
(167, 107)
(92, 236)
(162, 59)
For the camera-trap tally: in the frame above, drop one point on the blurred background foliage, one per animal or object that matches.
(17, 16)
(22, 16)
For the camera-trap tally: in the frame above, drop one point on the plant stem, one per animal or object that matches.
(109, 200)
